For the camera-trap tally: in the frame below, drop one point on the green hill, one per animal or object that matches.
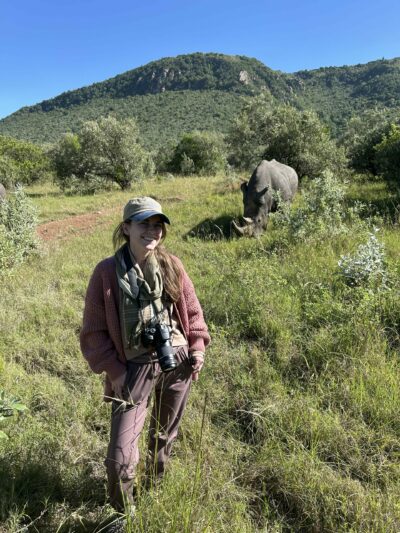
(336, 93)
(204, 91)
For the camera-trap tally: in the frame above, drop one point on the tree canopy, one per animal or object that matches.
(296, 138)
(103, 152)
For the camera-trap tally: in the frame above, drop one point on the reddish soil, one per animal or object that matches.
(82, 224)
(73, 226)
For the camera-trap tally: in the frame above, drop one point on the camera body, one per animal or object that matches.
(158, 336)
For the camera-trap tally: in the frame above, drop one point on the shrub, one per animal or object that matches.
(187, 165)
(8, 172)
(365, 268)
(22, 162)
(18, 220)
(323, 210)
(387, 155)
(363, 133)
(199, 153)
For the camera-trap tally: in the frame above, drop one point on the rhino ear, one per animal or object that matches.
(244, 190)
(261, 196)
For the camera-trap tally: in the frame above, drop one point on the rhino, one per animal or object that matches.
(258, 197)
(2, 192)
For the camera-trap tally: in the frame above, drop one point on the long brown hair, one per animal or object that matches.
(171, 272)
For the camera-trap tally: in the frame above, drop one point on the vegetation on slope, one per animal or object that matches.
(162, 118)
(334, 93)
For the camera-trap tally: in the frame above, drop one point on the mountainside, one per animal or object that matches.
(338, 92)
(193, 72)
(204, 91)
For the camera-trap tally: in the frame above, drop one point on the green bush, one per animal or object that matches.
(21, 162)
(367, 266)
(8, 172)
(387, 155)
(18, 221)
(322, 212)
(201, 153)
(363, 133)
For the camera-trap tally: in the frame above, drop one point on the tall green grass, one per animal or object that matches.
(294, 423)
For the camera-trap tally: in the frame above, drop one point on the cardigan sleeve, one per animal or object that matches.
(197, 331)
(96, 343)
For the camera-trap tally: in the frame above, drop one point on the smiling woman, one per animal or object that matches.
(144, 327)
(144, 236)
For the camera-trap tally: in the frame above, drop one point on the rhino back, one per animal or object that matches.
(260, 178)
(286, 180)
(277, 176)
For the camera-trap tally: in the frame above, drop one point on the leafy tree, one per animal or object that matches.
(245, 143)
(21, 161)
(387, 158)
(296, 138)
(103, 152)
(199, 153)
(67, 158)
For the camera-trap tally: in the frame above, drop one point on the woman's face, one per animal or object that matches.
(144, 236)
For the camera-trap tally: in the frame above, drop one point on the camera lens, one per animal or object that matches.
(164, 349)
(166, 358)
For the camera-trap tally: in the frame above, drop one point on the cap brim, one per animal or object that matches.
(147, 214)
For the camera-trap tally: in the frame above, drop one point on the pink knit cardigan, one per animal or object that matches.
(100, 337)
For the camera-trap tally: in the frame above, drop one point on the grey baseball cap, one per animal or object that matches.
(143, 207)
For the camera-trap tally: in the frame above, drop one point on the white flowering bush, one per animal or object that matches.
(323, 210)
(367, 266)
(18, 221)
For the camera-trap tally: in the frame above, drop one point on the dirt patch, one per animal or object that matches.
(84, 224)
(73, 226)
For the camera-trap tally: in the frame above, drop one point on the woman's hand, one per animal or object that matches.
(118, 385)
(197, 364)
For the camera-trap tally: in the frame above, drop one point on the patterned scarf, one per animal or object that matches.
(140, 295)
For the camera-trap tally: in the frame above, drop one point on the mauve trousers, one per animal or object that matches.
(171, 391)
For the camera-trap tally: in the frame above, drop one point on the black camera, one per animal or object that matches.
(158, 336)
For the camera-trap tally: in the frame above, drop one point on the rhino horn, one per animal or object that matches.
(248, 220)
(237, 229)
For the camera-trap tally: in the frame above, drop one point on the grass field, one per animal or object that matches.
(294, 423)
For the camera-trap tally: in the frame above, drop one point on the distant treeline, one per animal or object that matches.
(109, 151)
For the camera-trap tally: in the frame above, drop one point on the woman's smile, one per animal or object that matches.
(144, 236)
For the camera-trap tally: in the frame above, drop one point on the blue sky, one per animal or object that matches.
(47, 47)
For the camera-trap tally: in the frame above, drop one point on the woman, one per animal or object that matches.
(144, 327)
